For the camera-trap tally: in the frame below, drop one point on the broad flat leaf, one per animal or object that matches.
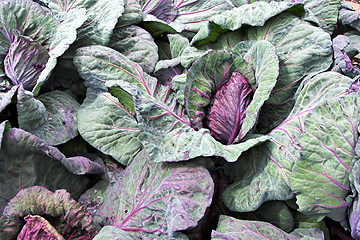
(27, 161)
(109, 127)
(164, 10)
(302, 50)
(320, 177)
(101, 16)
(114, 233)
(51, 117)
(263, 173)
(136, 44)
(153, 197)
(37, 227)
(25, 61)
(232, 229)
(194, 13)
(254, 14)
(68, 217)
(206, 76)
(323, 13)
(177, 44)
(167, 136)
(132, 14)
(98, 64)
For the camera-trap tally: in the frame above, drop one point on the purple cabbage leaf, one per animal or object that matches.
(63, 216)
(232, 229)
(253, 184)
(348, 16)
(153, 198)
(47, 34)
(345, 48)
(24, 159)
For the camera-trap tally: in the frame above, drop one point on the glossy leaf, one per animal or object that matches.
(153, 197)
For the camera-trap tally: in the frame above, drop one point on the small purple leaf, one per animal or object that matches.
(227, 112)
(25, 61)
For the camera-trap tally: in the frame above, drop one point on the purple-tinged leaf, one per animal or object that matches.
(355, 86)
(164, 10)
(227, 112)
(149, 197)
(25, 61)
(320, 177)
(68, 217)
(38, 228)
(24, 159)
(5, 97)
(345, 48)
(234, 229)
(263, 173)
(348, 16)
(206, 76)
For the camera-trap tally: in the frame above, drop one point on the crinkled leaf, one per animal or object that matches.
(206, 76)
(164, 10)
(109, 127)
(60, 41)
(302, 50)
(136, 44)
(132, 14)
(167, 136)
(227, 112)
(27, 161)
(25, 61)
(153, 197)
(101, 16)
(194, 13)
(254, 14)
(177, 44)
(263, 173)
(51, 117)
(320, 177)
(98, 64)
(323, 13)
(348, 16)
(37, 227)
(69, 217)
(232, 229)
(344, 49)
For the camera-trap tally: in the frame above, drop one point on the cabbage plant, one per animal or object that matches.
(167, 119)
